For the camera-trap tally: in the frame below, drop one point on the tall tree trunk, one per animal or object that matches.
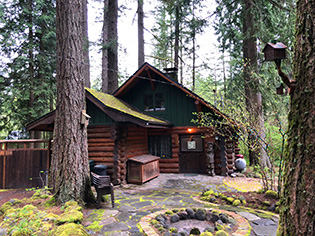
(176, 43)
(140, 34)
(69, 168)
(252, 95)
(113, 48)
(297, 216)
(104, 49)
(86, 65)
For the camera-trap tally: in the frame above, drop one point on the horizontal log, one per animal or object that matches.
(173, 160)
(169, 170)
(230, 166)
(123, 171)
(98, 130)
(229, 155)
(101, 149)
(139, 136)
(142, 150)
(101, 154)
(99, 135)
(122, 165)
(111, 144)
(102, 159)
(100, 140)
(169, 165)
(133, 154)
(175, 155)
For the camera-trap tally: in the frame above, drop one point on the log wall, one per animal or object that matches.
(101, 145)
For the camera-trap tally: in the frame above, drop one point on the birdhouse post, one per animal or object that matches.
(274, 52)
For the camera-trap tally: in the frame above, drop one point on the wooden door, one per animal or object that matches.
(192, 158)
(192, 162)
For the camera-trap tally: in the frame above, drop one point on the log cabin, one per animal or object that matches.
(148, 116)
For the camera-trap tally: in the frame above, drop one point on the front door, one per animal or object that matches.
(192, 158)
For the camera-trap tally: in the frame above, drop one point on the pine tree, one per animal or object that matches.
(27, 42)
(69, 174)
(297, 214)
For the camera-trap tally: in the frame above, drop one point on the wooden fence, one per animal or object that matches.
(24, 163)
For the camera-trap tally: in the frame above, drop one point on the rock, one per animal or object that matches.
(72, 216)
(214, 218)
(208, 215)
(200, 214)
(194, 231)
(160, 218)
(210, 228)
(174, 218)
(236, 202)
(223, 218)
(212, 199)
(271, 194)
(167, 233)
(183, 215)
(219, 225)
(165, 225)
(191, 213)
(182, 233)
(221, 233)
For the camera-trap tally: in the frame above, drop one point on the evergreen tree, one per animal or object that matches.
(69, 175)
(297, 216)
(248, 22)
(27, 41)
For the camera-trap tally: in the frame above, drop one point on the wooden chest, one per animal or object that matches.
(143, 168)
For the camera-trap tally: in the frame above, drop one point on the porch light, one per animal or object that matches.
(189, 130)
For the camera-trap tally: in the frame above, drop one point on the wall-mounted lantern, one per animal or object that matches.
(274, 52)
(277, 52)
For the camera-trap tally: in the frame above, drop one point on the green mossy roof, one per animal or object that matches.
(117, 104)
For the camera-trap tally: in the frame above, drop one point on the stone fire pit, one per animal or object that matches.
(194, 222)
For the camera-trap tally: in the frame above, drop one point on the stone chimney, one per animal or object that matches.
(172, 73)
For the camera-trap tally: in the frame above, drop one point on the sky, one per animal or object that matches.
(127, 38)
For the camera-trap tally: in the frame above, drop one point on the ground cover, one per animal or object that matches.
(38, 215)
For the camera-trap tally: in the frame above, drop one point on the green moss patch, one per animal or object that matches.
(70, 229)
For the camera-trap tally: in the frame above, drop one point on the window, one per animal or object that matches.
(160, 145)
(154, 102)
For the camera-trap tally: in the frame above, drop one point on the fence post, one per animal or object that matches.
(4, 167)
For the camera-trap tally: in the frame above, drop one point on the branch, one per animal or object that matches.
(290, 83)
(279, 6)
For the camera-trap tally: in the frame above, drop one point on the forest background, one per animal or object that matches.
(216, 72)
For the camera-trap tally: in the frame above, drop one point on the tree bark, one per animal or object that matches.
(252, 95)
(113, 48)
(69, 175)
(140, 34)
(104, 49)
(86, 66)
(176, 43)
(297, 216)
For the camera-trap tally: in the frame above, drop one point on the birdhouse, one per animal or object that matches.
(274, 51)
(280, 89)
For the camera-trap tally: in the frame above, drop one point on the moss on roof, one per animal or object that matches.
(119, 105)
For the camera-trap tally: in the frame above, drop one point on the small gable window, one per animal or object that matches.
(160, 146)
(154, 102)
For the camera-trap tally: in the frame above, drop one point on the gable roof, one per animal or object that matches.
(147, 70)
(120, 111)
(114, 107)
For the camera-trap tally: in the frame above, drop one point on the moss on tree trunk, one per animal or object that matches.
(298, 197)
